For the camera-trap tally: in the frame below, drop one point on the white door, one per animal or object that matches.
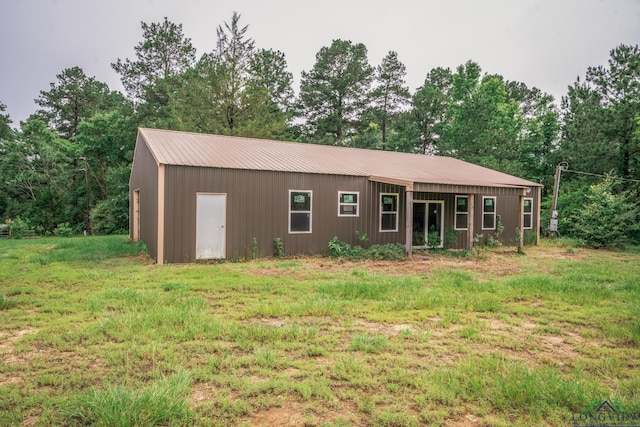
(210, 226)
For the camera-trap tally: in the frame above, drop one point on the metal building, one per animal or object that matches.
(198, 197)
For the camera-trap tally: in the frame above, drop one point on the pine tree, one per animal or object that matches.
(335, 93)
(391, 94)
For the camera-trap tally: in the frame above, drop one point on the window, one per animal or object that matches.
(488, 213)
(528, 214)
(348, 203)
(388, 212)
(299, 211)
(462, 212)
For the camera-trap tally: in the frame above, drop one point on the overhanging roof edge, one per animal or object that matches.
(392, 181)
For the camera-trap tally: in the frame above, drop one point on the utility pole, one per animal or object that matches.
(86, 195)
(553, 223)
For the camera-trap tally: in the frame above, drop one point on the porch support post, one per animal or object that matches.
(538, 200)
(470, 221)
(521, 222)
(409, 220)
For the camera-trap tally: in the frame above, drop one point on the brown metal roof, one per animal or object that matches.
(195, 149)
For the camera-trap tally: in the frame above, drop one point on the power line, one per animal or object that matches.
(606, 176)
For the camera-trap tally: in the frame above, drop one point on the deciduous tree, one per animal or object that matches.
(6, 133)
(484, 125)
(35, 170)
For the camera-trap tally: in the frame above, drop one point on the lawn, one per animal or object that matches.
(93, 333)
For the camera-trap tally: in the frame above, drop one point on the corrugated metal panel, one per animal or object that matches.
(192, 149)
(257, 206)
(144, 177)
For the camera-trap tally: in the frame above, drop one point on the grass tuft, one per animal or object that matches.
(368, 344)
(161, 403)
(6, 302)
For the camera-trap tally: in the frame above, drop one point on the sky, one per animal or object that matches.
(543, 43)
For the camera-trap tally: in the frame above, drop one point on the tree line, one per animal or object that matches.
(68, 164)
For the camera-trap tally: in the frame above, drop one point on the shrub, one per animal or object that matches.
(18, 228)
(607, 219)
(450, 237)
(389, 251)
(338, 248)
(63, 230)
(433, 239)
(107, 217)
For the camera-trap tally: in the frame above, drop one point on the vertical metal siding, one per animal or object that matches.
(507, 206)
(144, 176)
(258, 206)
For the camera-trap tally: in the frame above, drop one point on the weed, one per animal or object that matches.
(450, 237)
(278, 247)
(254, 248)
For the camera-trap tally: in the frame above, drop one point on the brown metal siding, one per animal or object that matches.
(257, 206)
(507, 207)
(144, 176)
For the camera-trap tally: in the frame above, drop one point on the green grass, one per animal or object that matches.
(163, 401)
(92, 333)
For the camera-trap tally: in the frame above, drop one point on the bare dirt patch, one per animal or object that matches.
(389, 330)
(7, 345)
(291, 413)
(499, 262)
(463, 421)
(557, 347)
(295, 413)
(549, 349)
(9, 356)
(202, 392)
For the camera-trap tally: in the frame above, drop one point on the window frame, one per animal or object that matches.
(310, 211)
(356, 204)
(493, 214)
(525, 213)
(455, 217)
(383, 212)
